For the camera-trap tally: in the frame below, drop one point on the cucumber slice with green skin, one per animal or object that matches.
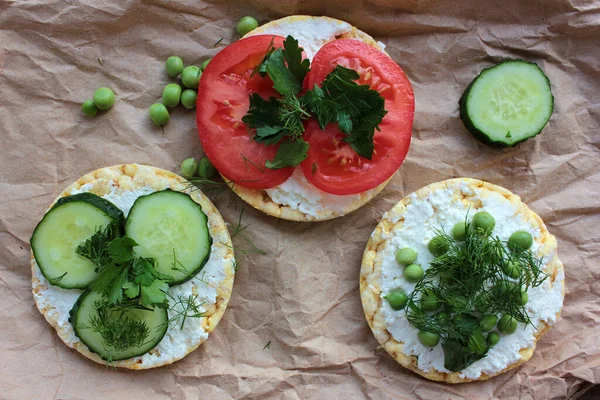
(71, 221)
(170, 226)
(507, 103)
(85, 310)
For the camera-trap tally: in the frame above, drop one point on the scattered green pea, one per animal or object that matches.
(459, 231)
(206, 169)
(159, 114)
(428, 339)
(189, 166)
(438, 246)
(443, 316)
(174, 66)
(520, 241)
(522, 298)
(512, 269)
(503, 287)
(429, 302)
(413, 273)
(190, 77)
(507, 324)
(89, 108)
(246, 24)
(493, 338)
(488, 322)
(484, 221)
(397, 299)
(406, 256)
(188, 98)
(204, 64)
(171, 95)
(104, 98)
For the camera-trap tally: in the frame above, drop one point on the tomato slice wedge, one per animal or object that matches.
(223, 99)
(332, 165)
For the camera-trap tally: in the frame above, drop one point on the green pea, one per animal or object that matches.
(503, 287)
(459, 231)
(246, 24)
(174, 66)
(159, 114)
(397, 299)
(190, 77)
(443, 316)
(204, 64)
(512, 269)
(493, 338)
(406, 256)
(206, 169)
(188, 98)
(413, 273)
(171, 95)
(520, 241)
(438, 246)
(522, 298)
(507, 324)
(488, 322)
(428, 339)
(189, 166)
(484, 221)
(89, 108)
(429, 302)
(104, 98)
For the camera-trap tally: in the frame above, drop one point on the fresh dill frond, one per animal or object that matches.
(467, 282)
(119, 332)
(183, 307)
(95, 248)
(239, 232)
(55, 280)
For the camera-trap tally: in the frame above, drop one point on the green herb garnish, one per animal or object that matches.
(468, 282)
(118, 334)
(357, 109)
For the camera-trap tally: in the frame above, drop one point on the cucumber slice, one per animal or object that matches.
(507, 104)
(86, 309)
(170, 226)
(71, 221)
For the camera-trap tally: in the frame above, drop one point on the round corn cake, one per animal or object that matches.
(412, 223)
(121, 184)
(312, 33)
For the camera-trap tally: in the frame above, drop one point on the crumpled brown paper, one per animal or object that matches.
(295, 327)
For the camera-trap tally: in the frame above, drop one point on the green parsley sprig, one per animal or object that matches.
(357, 109)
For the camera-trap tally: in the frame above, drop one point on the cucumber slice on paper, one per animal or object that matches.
(507, 103)
(172, 228)
(69, 223)
(85, 311)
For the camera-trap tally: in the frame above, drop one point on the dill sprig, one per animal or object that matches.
(468, 281)
(95, 248)
(119, 332)
(182, 308)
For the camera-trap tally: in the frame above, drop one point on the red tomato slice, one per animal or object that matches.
(223, 93)
(332, 165)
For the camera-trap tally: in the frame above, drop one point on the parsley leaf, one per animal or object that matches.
(290, 154)
(121, 249)
(357, 109)
(285, 67)
(154, 294)
(292, 54)
(261, 112)
(109, 282)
